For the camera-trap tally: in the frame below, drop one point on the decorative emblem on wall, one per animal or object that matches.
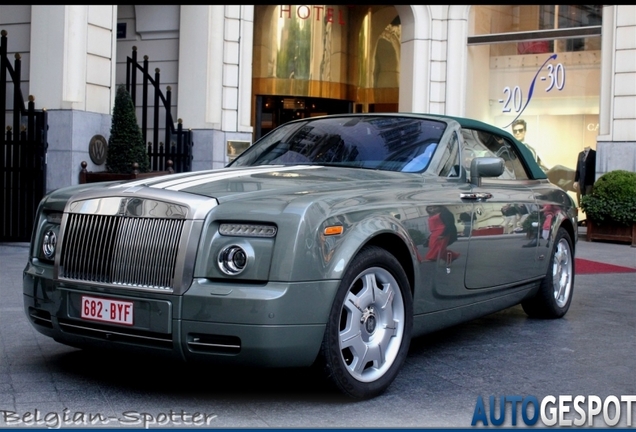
(98, 149)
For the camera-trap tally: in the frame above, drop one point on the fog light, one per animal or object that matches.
(49, 242)
(232, 260)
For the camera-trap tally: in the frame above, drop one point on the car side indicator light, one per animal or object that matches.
(333, 230)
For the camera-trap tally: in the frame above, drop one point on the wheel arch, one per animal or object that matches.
(384, 232)
(569, 227)
(396, 246)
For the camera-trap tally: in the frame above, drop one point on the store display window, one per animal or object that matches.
(534, 70)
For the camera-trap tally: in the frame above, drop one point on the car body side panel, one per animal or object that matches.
(492, 302)
(501, 251)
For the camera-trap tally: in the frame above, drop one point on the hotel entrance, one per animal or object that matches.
(273, 111)
(312, 60)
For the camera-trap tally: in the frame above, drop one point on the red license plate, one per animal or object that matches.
(112, 311)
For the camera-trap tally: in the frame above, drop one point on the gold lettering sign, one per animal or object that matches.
(317, 12)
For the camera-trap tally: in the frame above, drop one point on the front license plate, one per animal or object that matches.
(112, 311)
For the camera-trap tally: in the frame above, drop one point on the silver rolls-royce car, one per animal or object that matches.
(329, 242)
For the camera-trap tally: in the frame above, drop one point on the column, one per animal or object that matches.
(71, 74)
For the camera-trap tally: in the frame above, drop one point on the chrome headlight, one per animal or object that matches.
(232, 260)
(49, 231)
(243, 248)
(49, 243)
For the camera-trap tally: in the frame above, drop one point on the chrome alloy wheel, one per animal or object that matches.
(562, 270)
(371, 324)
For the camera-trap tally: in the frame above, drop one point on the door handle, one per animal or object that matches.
(479, 196)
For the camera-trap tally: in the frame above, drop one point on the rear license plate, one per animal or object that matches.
(112, 311)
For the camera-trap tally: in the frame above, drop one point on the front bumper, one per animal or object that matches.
(272, 324)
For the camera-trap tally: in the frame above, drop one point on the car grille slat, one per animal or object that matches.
(125, 251)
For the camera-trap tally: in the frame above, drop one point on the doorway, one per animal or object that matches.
(273, 111)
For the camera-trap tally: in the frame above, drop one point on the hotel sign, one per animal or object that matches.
(335, 15)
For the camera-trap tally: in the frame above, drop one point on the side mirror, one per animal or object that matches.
(485, 167)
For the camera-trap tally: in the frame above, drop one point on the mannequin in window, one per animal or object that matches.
(585, 171)
(519, 129)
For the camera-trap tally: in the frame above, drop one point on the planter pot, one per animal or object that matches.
(94, 177)
(611, 232)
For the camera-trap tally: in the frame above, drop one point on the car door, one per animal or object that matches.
(443, 254)
(503, 242)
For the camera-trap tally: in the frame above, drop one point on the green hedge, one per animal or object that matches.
(613, 198)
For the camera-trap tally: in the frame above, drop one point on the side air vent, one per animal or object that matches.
(40, 317)
(215, 344)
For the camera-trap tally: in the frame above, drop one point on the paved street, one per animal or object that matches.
(592, 351)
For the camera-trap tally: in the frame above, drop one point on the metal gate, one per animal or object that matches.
(177, 142)
(23, 146)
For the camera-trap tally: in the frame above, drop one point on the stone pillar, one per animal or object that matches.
(215, 52)
(71, 75)
(457, 60)
(616, 142)
(415, 58)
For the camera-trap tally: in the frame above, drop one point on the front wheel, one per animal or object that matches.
(369, 328)
(555, 293)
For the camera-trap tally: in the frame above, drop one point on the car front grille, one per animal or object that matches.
(136, 252)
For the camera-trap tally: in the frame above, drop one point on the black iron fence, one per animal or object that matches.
(177, 142)
(23, 146)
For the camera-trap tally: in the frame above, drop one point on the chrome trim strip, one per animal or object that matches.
(215, 345)
(37, 317)
(567, 33)
(130, 335)
(128, 206)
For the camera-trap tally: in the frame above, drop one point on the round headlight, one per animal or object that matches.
(49, 242)
(232, 260)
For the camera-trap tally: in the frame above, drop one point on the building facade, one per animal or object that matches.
(569, 72)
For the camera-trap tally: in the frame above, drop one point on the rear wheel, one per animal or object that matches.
(369, 328)
(555, 293)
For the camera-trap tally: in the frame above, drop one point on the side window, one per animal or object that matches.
(513, 162)
(449, 166)
(480, 143)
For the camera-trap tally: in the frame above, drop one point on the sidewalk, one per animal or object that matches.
(610, 253)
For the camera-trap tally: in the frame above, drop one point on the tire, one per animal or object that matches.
(368, 332)
(555, 293)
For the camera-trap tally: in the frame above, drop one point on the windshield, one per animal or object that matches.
(376, 142)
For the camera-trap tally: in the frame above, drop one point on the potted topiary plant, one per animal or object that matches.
(611, 208)
(126, 144)
(127, 156)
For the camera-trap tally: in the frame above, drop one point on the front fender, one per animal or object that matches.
(392, 233)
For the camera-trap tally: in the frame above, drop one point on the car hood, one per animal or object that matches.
(230, 184)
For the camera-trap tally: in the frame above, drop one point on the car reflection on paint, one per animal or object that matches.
(331, 241)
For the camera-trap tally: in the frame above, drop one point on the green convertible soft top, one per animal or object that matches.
(535, 170)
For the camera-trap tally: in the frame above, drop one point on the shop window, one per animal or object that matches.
(538, 66)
